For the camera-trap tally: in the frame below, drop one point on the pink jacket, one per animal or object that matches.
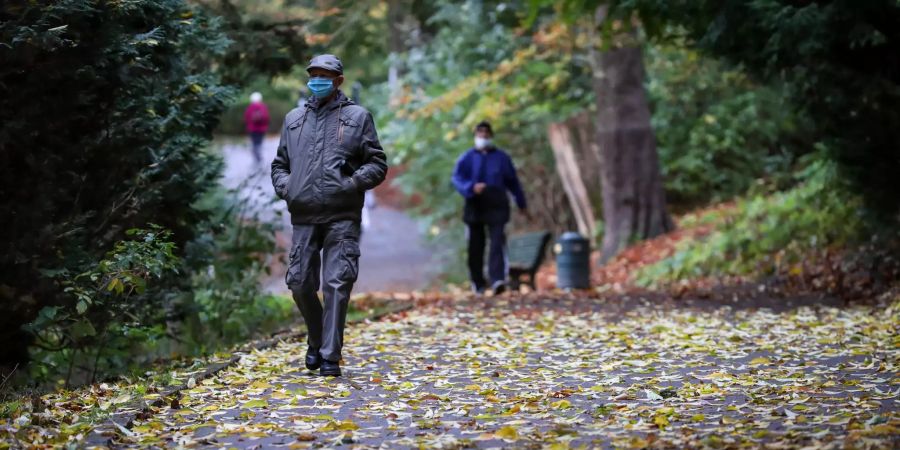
(256, 118)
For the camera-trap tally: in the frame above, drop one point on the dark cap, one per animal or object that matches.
(328, 62)
(484, 125)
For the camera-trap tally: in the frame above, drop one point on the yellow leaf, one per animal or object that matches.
(340, 425)
(515, 408)
(884, 428)
(637, 442)
(507, 432)
(759, 361)
(562, 404)
(258, 403)
(661, 421)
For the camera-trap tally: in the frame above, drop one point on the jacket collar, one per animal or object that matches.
(339, 100)
(490, 149)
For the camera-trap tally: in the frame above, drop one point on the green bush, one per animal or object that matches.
(122, 145)
(111, 328)
(104, 318)
(837, 57)
(104, 116)
(769, 233)
(226, 305)
(717, 131)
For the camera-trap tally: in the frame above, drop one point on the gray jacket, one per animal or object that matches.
(329, 155)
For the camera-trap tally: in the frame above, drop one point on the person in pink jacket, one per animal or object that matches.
(256, 119)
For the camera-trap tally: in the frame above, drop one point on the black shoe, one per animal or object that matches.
(499, 288)
(313, 359)
(330, 369)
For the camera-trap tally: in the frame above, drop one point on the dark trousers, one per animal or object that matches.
(256, 140)
(338, 243)
(478, 233)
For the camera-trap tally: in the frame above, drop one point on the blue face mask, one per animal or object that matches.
(320, 87)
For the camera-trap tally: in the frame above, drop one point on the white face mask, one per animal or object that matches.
(482, 143)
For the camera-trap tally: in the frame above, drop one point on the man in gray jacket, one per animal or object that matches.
(329, 155)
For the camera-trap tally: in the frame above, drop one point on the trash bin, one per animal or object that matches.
(573, 261)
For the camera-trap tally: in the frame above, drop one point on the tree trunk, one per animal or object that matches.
(634, 203)
(577, 167)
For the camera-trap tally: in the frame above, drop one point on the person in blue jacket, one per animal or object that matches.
(483, 176)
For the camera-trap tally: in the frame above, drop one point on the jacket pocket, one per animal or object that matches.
(348, 133)
(350, 260)
(295, 203)
(339, 185)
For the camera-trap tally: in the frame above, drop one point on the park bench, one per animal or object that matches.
(525, 253)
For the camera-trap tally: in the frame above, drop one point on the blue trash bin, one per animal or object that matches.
(573, 261)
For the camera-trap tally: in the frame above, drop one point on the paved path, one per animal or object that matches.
(560, 373)
(395, 256)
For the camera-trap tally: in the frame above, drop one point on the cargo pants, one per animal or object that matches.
(338, 243)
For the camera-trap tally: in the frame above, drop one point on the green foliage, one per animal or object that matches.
(477, 67)
(105, 112)
(769, 233)
(232, 256)
(112, 328)
(103, 300)
(717, 131)
(266, 39)
(838, 59)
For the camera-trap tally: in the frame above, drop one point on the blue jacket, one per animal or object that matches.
(494, 168)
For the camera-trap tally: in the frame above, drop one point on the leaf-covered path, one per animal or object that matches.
(565, 372)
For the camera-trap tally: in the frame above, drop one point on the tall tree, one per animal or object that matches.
(119, 146)
(838, 57)
(634, 205)
(265, 39)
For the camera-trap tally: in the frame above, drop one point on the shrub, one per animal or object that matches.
(837, 57)
(718, 131)
(769, 234)
(104, 116)
(104, 314)
(227, 305)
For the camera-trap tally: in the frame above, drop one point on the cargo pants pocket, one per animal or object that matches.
(294, 276)
(350, 260)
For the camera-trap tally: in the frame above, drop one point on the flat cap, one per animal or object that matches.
(327, 62)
